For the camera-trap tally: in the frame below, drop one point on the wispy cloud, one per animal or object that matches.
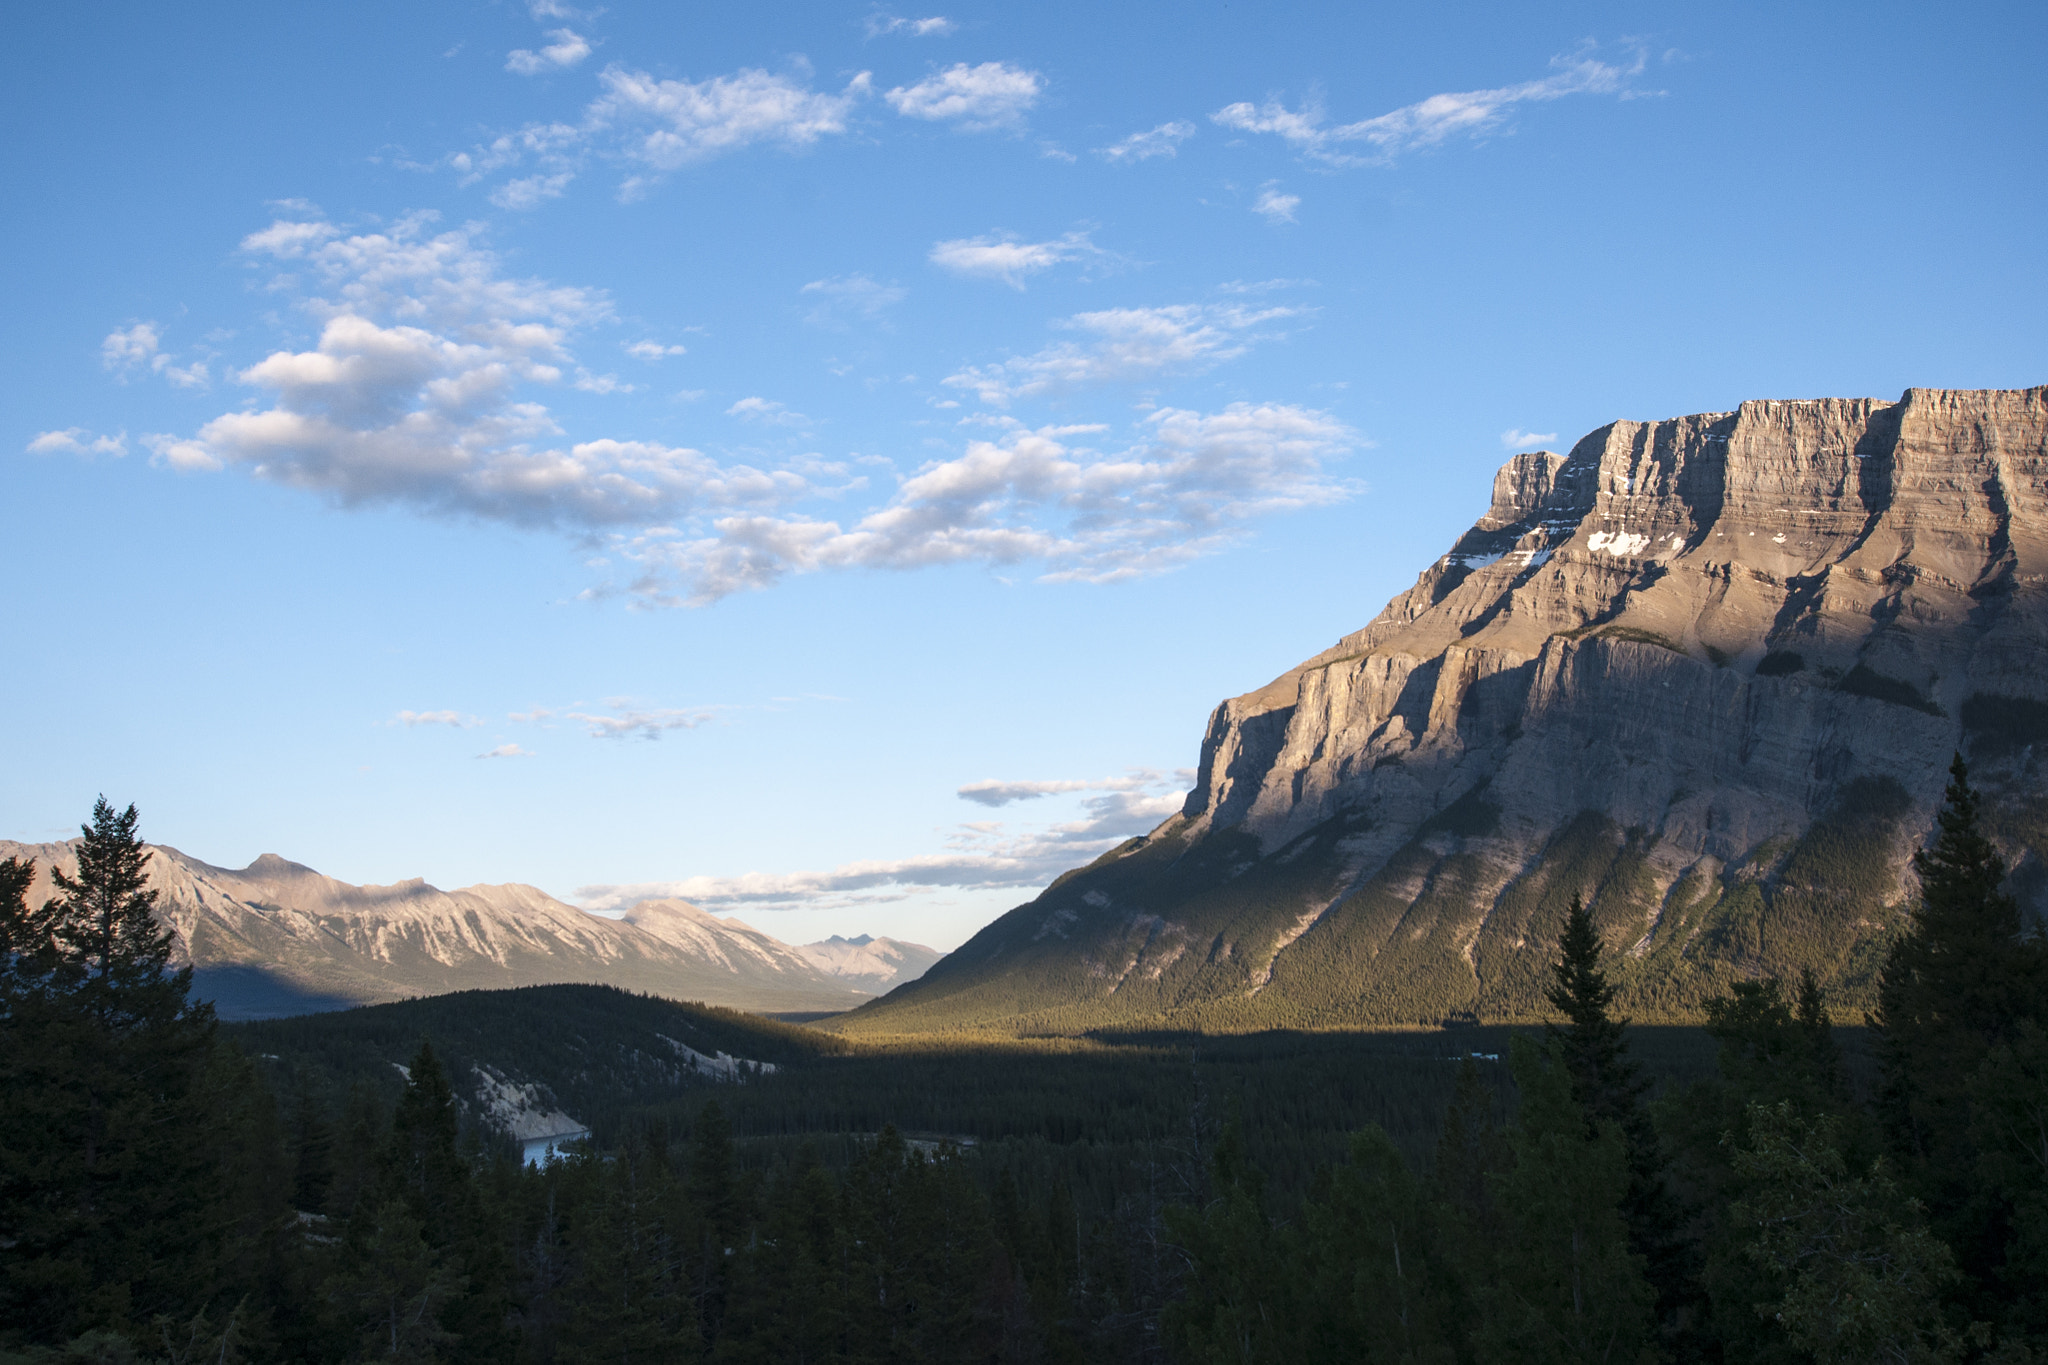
(136, 350)
(978, 855)
(1514, 438)
(654, 126)
(78, 441)
(567, 49)
(850, 298)
(1189, 486)
(1124, 345)
(632, 723)
(938, 26)
(686, 121)
(1255, 287)
(1276, 207)
(506, 751)
(1428, 122)
(766, 411)
(654, 350)
(1164, 140)
(976, 98)
(1000, 256)
(424, 390)
(454, 718)
(995, 793)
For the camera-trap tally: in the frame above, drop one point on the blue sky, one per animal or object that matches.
(827, 460)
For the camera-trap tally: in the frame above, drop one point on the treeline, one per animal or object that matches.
(160, 1202)
(1769, 1214)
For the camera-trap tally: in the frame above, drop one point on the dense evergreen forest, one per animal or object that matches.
(1770, 1188)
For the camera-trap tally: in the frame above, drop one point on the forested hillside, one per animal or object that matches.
(1766, 1189)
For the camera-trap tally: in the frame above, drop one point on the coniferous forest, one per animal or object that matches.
(1772, 1188)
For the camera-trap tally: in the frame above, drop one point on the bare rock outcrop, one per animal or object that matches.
(1706, 671)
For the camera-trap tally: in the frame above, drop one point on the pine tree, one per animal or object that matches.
(1959, 983)
(103, 926)
(1610, 1088)
(1566, 1286)
(1861, 1275)
(116, 1180)
(1604, 1081)
(19, 934)
(424, 1166)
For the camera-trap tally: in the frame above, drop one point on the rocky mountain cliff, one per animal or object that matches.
(1708, 672)
(278, 938)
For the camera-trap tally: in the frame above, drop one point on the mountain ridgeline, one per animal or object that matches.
(278, 938)
(1707, 672)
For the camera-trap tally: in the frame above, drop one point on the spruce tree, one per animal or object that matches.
(111, 950)
(18, 928)
(1959, 983)
(1609, 1088)
(1565, 1285)
(117, 1189)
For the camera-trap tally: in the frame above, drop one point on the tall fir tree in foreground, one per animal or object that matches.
(1610, 1088)
(116, 1210)
(1959, 990)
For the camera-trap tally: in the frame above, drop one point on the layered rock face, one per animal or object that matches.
(1707, 672)
(278, 938)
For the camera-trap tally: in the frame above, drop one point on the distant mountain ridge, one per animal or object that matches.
(278, 938)
(872, 964)
(1707, 672)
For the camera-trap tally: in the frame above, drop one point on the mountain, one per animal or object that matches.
(533, 1064)
(278, 938)
(871, 964)
(1708, 672)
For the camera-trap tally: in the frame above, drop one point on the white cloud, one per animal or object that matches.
(416, 394)
(506, 751)
(766, 410)
(992, 95)
(454, 718)
(1002, 257)
(1186, 488)
(1125, 344)
(640, 724)
(1164, 140)
(601, 383)
(1276, 207)
(654, 350)
(994, 793)
(78, 441)
(567, 49)
(694, 121)
(979, 854)
(938, 26)
(424, 387)
(1514, 438)
(132, 350)
(847, 298)
(181, 453)
(655, 126)
(1429, 122)
(531, 191)
(1261, 286)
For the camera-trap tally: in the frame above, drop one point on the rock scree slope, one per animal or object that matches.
(1707, 672)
